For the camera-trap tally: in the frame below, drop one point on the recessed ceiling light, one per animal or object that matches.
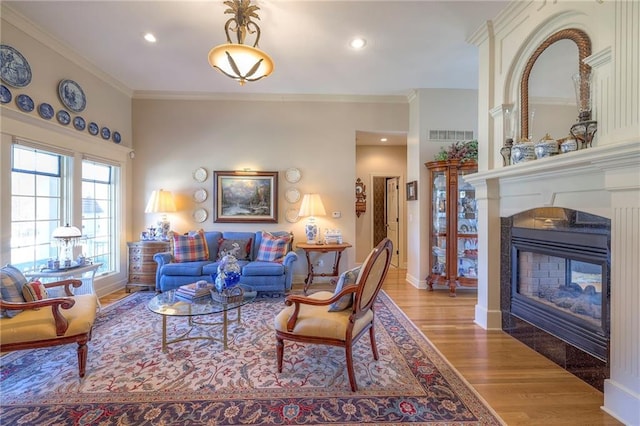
(383, 139)
(150, 38)
(358, 43)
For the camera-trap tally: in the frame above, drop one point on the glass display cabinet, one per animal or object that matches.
(453, 237)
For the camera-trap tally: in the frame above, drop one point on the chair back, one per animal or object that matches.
(373, 272)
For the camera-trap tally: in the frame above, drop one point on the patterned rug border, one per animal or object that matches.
(292, 407)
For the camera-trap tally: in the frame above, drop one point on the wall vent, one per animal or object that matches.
(451, 135)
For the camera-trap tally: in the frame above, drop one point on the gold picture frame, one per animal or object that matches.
(250, 197)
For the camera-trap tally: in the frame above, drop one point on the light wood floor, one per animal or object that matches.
(523, 387)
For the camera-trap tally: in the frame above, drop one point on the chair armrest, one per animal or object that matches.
(163, 258)
(66, 283)
(56, 303)
(304, 300)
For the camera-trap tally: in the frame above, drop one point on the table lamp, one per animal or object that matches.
(66, 237)
(161, 201)
(311, 207)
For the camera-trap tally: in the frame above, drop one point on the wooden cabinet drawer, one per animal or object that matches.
(142, 267)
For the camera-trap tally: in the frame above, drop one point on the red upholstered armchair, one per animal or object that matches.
(46, 322)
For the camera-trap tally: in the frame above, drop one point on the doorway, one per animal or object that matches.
(386, 213)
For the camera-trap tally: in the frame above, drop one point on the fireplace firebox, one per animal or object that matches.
(556, 287)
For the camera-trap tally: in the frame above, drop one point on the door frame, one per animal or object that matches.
(402, 200)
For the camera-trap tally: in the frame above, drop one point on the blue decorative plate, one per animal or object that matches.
(14, 68)
(63, 117)
(46, 111)
(93, 128)
(5, 94)
(25, 103)
(105, 132)
(79, 123)
(116, 137)
(71, 95)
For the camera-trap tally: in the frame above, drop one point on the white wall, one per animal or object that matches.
(174, 137)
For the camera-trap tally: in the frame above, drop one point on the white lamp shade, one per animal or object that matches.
(161, 201)
(66, 232)
(312, 206)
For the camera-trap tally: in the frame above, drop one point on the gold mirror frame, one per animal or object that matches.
(582, 40)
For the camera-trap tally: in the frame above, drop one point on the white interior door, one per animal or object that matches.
(392, 216)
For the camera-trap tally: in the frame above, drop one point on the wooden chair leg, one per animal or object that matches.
(82, 357)
(280, 353)
(374, 347)
(352, 375)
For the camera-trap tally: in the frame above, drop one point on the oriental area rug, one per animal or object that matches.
(130, 381)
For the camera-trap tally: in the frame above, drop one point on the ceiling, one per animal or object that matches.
(410, 45)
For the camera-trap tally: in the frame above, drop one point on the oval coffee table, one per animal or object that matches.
(168, 304)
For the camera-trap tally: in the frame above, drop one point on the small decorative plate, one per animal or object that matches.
(292, 195)
(63, 117)
(292, 175)
(46, 111)
(200, 215)
(79, 123)
(105, 133)
(116, 137)
(71, 95)
(200, 195)
(5, 94)
(291, 215)
(200, 174)
(93, 128)
(25, 103)
(14, 68)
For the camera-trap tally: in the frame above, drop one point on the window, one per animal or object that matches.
(98, 217)
(43, 198)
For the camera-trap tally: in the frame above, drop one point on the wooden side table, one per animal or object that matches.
(142, 267)
(86, 273)
(321, 248)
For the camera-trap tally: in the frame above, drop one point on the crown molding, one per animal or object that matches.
(267, 97)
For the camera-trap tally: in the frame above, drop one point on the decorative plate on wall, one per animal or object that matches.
(292, 175)
(200, 174)
(291, 215)
(25, 103)
(14, 68)
(79, 123)
(63, 117)
(5, 94)
(105, 132)
(200, 215)
(292, 195)
(46, 111)
(116, 137)
(200, 195)
(71, 95)
(93, 128)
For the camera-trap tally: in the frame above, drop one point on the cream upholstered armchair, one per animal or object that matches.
(318, 318)
(41, 321)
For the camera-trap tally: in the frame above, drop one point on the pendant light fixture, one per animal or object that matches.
(238, 60)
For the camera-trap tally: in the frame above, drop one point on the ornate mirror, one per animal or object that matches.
(581, 39)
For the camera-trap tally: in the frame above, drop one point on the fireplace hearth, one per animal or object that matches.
(555, 287)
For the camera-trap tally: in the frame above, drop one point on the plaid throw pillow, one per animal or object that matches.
(34, 290)
(11, 288)
(189, 248)
(272, 248)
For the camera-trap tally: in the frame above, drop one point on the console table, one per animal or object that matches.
(86, 273)
(321, 248)
(142, 267)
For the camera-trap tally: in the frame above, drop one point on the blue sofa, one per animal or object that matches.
(262, 276)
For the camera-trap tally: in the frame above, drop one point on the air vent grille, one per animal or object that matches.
(451, 135)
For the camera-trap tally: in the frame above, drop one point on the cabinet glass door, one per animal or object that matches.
(467, 223)
(439, 229)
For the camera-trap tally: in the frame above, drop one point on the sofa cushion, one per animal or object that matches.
(258, 268)
(185, 268)
(189, 248)
(347, 277)
(272, 247)
(11, 284)
(225, 246)
(34, 290)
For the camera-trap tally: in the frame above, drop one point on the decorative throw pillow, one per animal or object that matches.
(189, 248)
(11, 284)
(273, 248)
(226, 246)
(34, 290)
(347, 277)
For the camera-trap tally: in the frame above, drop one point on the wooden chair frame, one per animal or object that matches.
(364, 299)
(61, 323)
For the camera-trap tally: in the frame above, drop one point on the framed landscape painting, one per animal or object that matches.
(245, 196)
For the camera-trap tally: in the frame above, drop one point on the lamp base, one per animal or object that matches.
(311, 231)
(163, 230)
